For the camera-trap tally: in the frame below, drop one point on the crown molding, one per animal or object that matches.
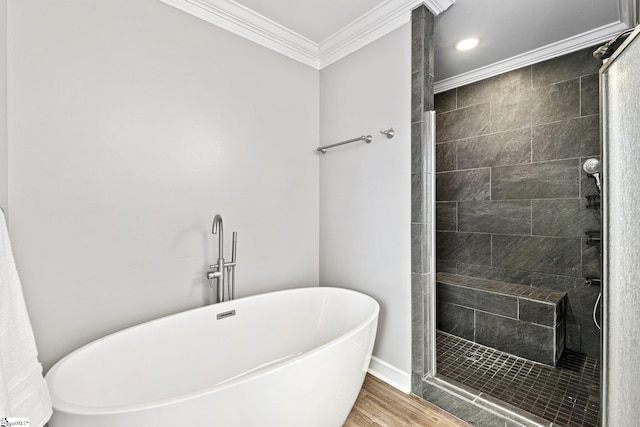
(563, 47)
(371, 26)
(246, 23)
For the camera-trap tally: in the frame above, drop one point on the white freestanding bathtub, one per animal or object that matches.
(289, 358)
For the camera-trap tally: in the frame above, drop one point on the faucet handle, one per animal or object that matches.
(213, 274)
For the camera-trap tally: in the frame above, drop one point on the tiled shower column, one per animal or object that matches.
(422, 78)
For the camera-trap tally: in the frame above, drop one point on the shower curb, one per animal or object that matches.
(465, 403)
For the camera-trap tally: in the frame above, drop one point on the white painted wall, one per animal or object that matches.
(365, 190)
(130, 125)
(4, 185)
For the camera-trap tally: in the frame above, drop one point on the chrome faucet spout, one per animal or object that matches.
(217, 228)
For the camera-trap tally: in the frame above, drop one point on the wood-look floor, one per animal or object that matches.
(380, 405)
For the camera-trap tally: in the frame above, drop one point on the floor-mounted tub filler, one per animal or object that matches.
(288, 358)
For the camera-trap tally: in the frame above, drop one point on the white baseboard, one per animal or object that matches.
(390, 375)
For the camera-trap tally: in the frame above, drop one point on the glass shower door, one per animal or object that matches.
(620, 90)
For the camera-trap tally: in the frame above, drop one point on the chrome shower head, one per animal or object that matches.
(591, 166)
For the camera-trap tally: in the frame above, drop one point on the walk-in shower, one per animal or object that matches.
(518, 239)
(534, 248)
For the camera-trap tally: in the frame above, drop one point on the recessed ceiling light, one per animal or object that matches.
(467, 44)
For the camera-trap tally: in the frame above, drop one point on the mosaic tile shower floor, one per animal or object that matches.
(568, 395)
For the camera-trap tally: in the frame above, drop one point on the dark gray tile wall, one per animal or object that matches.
(544, 180)
(568, 138)
(470, 184)
(463, 123)
(504, 305)
(534, 253)
(563, 218)
(473, 248)
(589, 93)
(510, 185)
(511, 216)
(456, 320)
(515, 82)
(515, 337)
(541, 314)
(560, 101)
(506, 148)
(447, 216)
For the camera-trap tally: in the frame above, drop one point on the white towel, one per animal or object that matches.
(23, 390)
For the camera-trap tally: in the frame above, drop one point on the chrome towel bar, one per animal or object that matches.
(389, 133)
(365, 138)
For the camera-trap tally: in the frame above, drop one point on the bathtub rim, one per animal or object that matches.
(64, 406)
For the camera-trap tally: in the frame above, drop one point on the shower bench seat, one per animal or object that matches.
(525, 321)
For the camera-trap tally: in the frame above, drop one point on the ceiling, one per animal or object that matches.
(514, 33)
(313, 19)
(510, 28)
